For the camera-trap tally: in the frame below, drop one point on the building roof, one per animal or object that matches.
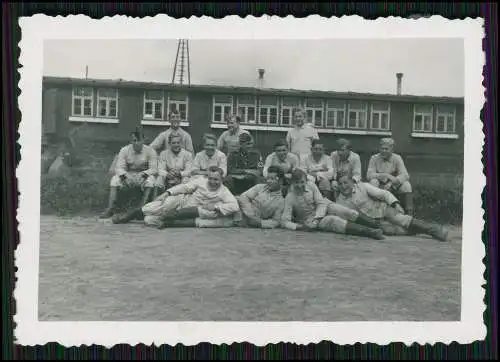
(217, 89)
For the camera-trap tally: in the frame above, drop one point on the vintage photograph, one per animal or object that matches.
(185, 179)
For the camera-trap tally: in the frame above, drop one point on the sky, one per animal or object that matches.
(432, 67)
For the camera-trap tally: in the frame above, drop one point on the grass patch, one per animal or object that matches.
(437, 198)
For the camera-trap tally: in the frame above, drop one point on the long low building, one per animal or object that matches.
(428, 131)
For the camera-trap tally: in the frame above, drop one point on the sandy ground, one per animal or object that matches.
(94, 270)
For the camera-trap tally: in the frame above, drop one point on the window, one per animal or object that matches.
(107, 103)
(268, 110)
(314, 111)
(422, 118)
(222, 108)
(178, 102)
(357, 115)
(153, 105)
(380, 116)
(335, 114)
(246, 109)
(287, 106)
(83, 102)
(445, 119)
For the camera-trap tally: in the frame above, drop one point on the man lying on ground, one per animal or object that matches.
(210, 156)
(202, 202)
(262, 205)
(382, 205)
(244, 166)
(306, 209)
(136, 167)
(319, 168)
(174, 165)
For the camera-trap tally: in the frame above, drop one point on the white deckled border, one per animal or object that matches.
(40, 27)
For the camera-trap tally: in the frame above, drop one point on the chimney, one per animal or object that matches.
(399, 76)
(260, 82)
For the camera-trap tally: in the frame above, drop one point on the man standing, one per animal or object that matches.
(210, 156)
(229, 140)
(345, 161)
(306, 209)
(299, 138)
(319, 168)
(387, 171)
(160, 143)
(244, 166)
(262, 205)
(382, 205)
(136, 166)
(174, 165)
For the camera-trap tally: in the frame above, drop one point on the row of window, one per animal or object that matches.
(271, 110)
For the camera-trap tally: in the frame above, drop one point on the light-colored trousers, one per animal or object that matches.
(135, 179)
(405, 187)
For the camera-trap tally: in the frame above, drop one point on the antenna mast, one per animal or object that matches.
(182, 64)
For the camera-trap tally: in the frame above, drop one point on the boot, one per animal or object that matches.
(355, 229)
(111, 204)
(145, 197)
(435, 231)
(408, 203)
(128, 216)
(364, 220)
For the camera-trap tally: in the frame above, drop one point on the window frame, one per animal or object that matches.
(82, 98)
(380, 113)
(314, 109)
(223, 114)
(446, 114)
(153, 102)
(244, 119)
(268, 113)
(335, 121)
(423, 114)
(358, 112)
(176, 102)
(107, 99)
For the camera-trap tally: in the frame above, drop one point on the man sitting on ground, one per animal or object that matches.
(136, 167)
(262, 205)
(319, 168)
(382, 205)
(284, 159)
(387, 171)
(174, 165)
(210, 156)
(244, 166)
(345, 161)
(306, 209)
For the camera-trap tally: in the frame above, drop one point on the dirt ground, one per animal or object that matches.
(93, 270)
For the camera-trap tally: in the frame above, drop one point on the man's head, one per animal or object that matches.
(318, 149)
(137, 140)
(386, 147)
(299, 116)
(214, 176)
(299, 180)
(281, 149)
(246, 141)
(175, 119)
(175, 143)
(344, 148)
(274, 178)
(346, 184)
(233, 122)
(209, 143)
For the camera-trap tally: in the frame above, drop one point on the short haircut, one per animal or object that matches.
(209, 136)
(317, 142)
(280, 143)
(245, 137)
(277, 170)
(235, 116)
(137, 133)
(298, 175)
(171, 136)
(298, 110)
(344, 143)
(346, 173)
(175, 112)
(217, 169)
(387, 141)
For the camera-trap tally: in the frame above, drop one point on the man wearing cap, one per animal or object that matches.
(345, 161)
(160, 143)
(387, 171)
(299, 138)
(244, 166)
(229, 140)
(319, 168)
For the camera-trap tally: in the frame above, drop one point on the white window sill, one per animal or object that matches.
(150, 122)
(262, 127)
(449, 136)
(93, 120)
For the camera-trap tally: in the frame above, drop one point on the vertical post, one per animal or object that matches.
(399, 77)
(86, 71)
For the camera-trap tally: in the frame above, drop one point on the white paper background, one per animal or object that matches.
(40, 27)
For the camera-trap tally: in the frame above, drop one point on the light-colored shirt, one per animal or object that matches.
(351, 165)
(322, 168)
(202, 161)
(200, 195)
(229, 142)
(300, 139)
(367, 199)
(130, 161)
(181, 161)
(264, 204)
(303, 208)
(394, 166)
(291, 161)
(160, 143)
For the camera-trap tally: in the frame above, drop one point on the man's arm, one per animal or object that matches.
(162, 164)
(328, 174)
(189, 143)
(182, 189)
(121, 163)
(286, 216)
(371, 173)
(246, 201)
(223, 164)
(289, 139)
(159, 142)
(229, 204)
(321, 202)
(152, 163)
(356, 168)
(267, 164)
(379, 194)
(188, 163)
(403, 175)
(196, 167)
(221, 142)
(274, 222)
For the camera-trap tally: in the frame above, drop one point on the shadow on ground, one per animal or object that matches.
(94, 270)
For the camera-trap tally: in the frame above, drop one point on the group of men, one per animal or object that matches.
(296, 187)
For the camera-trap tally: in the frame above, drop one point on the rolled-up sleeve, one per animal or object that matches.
(221, 142)
(403, 175)
(379, 194)
(371, 173)
(267, 164)
(187, 188)
(286, 216)
(246, 200)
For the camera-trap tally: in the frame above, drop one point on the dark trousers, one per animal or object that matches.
(237, 186)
